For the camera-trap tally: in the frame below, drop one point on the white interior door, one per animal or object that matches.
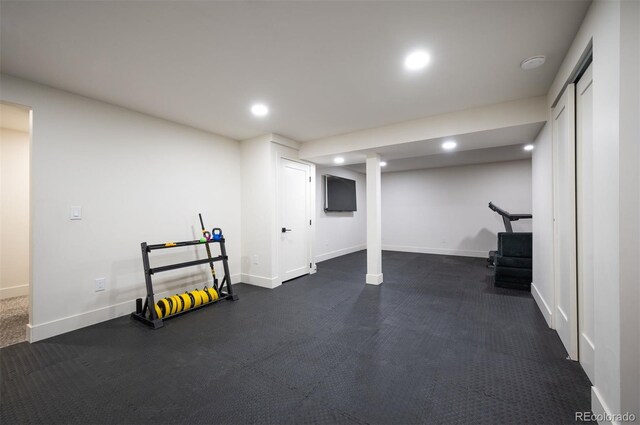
(584, 181)
(564, 205)
(295, 216)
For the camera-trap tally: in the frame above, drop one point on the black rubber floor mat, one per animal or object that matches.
(436, 343)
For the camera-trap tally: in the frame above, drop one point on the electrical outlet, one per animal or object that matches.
(255, 259)
(100, 284)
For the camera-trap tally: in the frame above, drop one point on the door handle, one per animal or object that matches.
(285, 230)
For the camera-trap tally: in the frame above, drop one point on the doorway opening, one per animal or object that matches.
(15, 223)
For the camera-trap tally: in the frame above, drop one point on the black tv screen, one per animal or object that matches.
(339, 194)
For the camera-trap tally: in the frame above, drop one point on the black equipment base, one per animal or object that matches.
(507, 218)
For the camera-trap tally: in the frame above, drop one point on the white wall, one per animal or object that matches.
(630, 207)
(444, 210)
(14, 213)
(542, 287)
(137, 178)
(257, 212)
(340, 233)
(261, 209)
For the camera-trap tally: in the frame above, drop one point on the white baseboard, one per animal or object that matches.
(542, 305)
(339, 252)
(264, 282)
(14, 291)
(77, 321)
(81, 320)
(404, 248)
(439, 251)
(600, 408)
(374, 279)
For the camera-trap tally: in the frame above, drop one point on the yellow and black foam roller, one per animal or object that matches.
(181, 302)
(197, 298)
(206, 298)
(159, 311)
(186, 301)
(164, 306)
(212, 293)
(177, 301)
(192, 298)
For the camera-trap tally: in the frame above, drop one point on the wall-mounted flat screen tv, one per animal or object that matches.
(339, 194)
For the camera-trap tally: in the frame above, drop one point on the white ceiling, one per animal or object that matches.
(14, 118)
(324, 68)
(450, 159)
(502, 144)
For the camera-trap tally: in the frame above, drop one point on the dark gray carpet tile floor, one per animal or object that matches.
(435, 344)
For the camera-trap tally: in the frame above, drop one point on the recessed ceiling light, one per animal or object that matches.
(449, 145)
(528, 148)
(417, 60)
(338, 160)
(532, 62)
(259, 109)
(383, 163)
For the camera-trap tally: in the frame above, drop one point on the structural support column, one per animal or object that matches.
(374, 222)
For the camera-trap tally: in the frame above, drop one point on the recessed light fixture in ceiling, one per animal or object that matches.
(449, 145)
(259, 109)
(532, 62)
(528, 148)
(338, 160)
(383, 163)
(417, 60)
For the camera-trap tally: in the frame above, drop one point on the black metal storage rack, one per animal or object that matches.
(147, 314)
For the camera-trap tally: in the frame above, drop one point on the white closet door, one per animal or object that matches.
(564, 179)
(295, 216)
(584, 180)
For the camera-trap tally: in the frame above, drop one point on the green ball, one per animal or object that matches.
(202, 240)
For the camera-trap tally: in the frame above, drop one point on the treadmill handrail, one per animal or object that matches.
(509, 216)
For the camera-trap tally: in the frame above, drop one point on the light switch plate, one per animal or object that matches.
(100, 284)
(75, 213)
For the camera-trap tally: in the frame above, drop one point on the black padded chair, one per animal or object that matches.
(513, 261)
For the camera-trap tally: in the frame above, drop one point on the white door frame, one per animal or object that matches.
(310, 207)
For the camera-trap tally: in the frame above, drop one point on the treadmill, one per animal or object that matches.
(507, 218)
